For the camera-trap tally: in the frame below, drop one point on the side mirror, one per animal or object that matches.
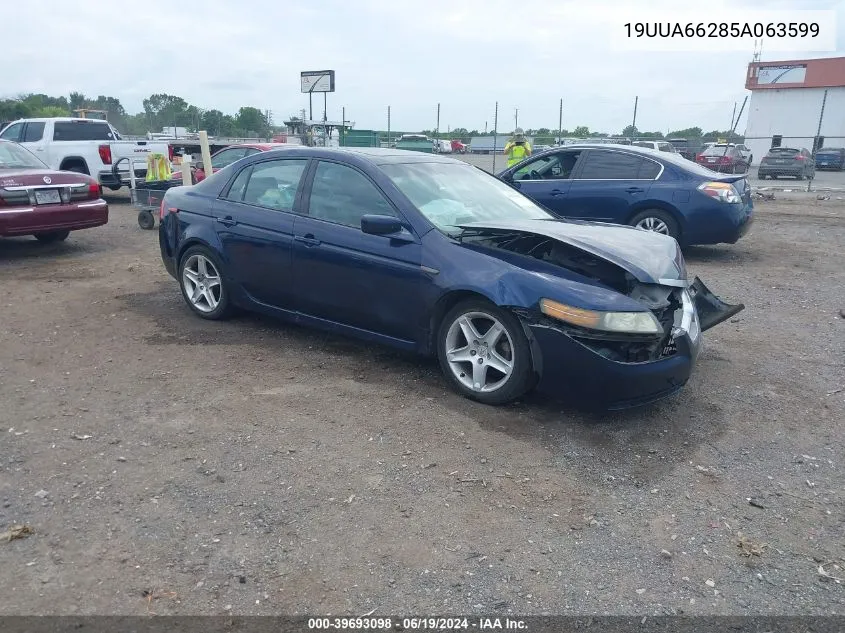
(380, 224)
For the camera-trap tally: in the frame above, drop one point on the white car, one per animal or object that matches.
(660, 146)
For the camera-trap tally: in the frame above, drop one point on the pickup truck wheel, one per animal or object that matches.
(52, 236)
(76, 167)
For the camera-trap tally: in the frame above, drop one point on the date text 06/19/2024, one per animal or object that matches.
(417, 624)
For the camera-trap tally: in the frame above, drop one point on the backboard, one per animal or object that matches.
(317, 81)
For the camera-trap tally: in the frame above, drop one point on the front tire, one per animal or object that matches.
(52, 236)
(203, 284)
(484, 353)
(658, 221)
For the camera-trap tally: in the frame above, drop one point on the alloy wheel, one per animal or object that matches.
(479, 351)
(202, 283)
(651, 223)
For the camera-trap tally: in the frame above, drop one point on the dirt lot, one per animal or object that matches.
(171, 465)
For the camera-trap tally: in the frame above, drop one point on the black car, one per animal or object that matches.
(787, 161)
(830, 158)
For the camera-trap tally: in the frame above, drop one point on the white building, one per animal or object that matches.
(786, 103)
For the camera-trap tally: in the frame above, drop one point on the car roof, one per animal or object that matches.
(371, 155)
(57, 119)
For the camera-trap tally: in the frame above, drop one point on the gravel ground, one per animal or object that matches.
(172, 465)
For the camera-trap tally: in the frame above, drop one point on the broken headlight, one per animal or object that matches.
(623, 322)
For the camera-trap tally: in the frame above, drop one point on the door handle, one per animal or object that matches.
(309, 240)
(557, 192)
(635, 190)
(227, 221)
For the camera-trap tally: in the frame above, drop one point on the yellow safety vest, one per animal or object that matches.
(158, 167)
(516, 153)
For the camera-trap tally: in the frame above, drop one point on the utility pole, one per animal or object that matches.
(342, 126)
(818, 133)
(634, 124)
(560, 124)
(516, 118)
(485, 128)
(733, 116)
(495, 133)
(388, 125)
(437, 127)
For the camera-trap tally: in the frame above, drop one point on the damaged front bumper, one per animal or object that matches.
(618, 372)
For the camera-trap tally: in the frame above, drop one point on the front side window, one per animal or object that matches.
(344, 195)
(273, 184)
(555, 167)
(34, 132)
(607, 165)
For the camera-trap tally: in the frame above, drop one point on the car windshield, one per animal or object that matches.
(450, 194)
(14, 156)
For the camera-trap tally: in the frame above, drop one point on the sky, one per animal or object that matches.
(466, 55)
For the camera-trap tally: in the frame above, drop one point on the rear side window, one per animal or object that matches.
(81, 130)
(34, 132)
(273, 184)
(649, 170)
(13, 132)
(605, 165)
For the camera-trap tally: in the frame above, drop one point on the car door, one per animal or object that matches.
(33, 140)
(608, 183)
(369, 282)
(254, 222)
(547, 179)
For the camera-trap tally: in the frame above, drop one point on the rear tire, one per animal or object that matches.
(51, 237)
(463, 347)
(204, 287)
(658, 221)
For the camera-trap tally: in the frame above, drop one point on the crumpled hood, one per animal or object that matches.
(650, 257)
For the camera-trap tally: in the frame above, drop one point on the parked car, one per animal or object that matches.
(743, 149)
(656, 191)
(723, 158)
(47, 203)
(660, 146)
(429, 254)
(787, 161)
(687, 148)
(830, 158)
(86, 146)
(229, 155)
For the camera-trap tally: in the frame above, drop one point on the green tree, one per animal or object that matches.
(582, 131)
(252, 121)
(690, 132)
(165, 110)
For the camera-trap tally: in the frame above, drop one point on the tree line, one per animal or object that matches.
(160, 111)
(163, 110)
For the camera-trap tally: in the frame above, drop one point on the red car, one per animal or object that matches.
(49, 204)
(229, 155)
(723, 159)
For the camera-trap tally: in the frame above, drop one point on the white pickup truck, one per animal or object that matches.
(88, 146)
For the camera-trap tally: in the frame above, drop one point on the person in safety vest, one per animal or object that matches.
(517, 148)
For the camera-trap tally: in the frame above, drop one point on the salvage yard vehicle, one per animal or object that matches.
(830, 158)
(787, 161)
(86, 146)
(652, 190)
(660, 146)
(724, 158)
(49, 204)
(429, 254)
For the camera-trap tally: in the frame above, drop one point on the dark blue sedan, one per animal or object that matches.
(429, 254)
(652, 190)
